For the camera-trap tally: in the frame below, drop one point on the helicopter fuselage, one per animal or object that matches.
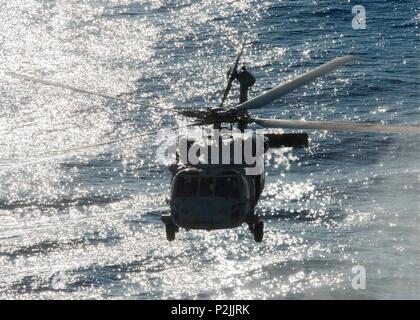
(216, 198)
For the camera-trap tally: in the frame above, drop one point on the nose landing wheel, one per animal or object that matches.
(170, 227)
(257, 229)
(170, 232)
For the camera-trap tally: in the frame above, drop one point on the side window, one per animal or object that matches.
(206, 187)
(247, 187)
(234, 191)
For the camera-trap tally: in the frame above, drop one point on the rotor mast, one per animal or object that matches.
(246, 80)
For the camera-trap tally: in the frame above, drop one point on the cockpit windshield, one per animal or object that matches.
(186, 186)
(193, 186)
(206, 187)
(227, 187)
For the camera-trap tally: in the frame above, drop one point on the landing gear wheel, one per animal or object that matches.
(170, 231)
(259, 231)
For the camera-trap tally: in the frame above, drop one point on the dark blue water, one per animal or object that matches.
(87, 225)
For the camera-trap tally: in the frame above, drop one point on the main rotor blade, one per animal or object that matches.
(60, 153)
(283, 89)
(80, 90)
(232, 75)
(99, 144)
(335, 126)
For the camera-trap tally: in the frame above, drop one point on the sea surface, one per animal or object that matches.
(86, 225)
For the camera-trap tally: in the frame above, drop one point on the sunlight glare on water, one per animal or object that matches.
(87, 224)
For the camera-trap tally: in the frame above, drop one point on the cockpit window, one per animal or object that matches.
(227, 187)
(186, 187)
(206, 187)
(193, 186)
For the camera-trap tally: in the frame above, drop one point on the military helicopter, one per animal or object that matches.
(220, 195)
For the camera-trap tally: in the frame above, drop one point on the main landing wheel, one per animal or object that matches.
(170, 231)
(258, 231)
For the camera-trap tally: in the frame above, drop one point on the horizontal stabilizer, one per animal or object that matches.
(287, 140)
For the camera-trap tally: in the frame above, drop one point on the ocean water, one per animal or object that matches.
(87, 225)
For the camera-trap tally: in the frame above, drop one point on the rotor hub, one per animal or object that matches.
(222, 115)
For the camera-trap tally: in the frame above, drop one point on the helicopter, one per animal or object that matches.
(223, 195)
